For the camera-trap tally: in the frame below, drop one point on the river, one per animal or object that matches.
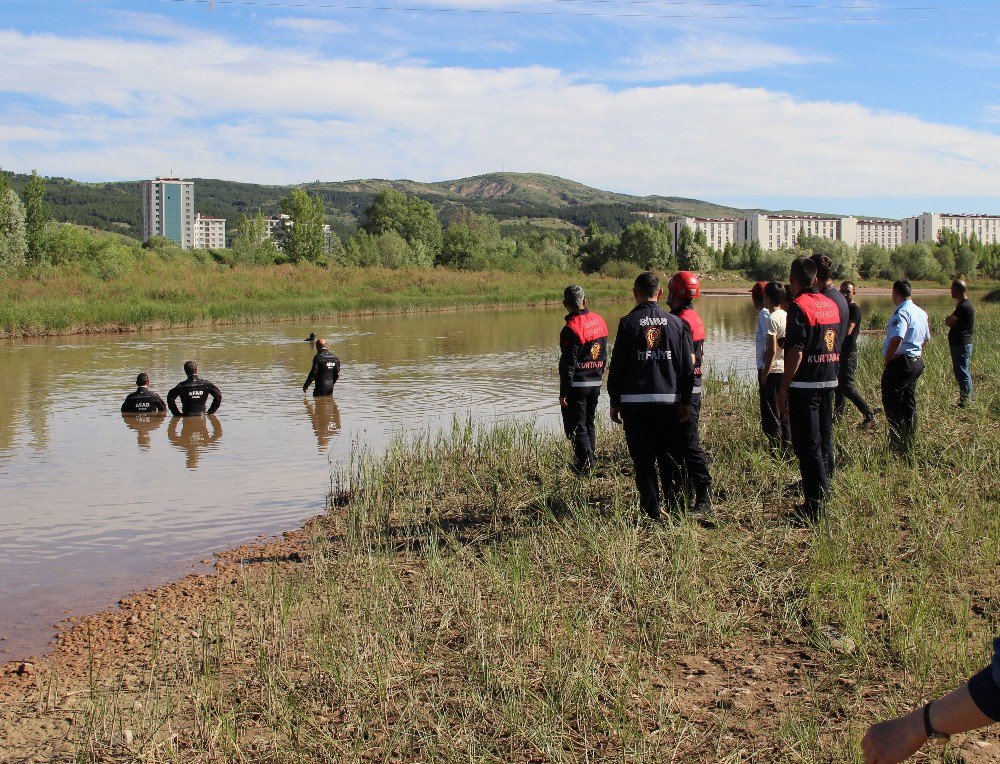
(95, 507)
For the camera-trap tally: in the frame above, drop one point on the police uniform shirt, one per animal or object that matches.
(909, 323)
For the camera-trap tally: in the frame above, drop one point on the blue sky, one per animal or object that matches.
(879, 108)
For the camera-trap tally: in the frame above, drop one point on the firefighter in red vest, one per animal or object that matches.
(811, 363)
(583, 358)
(682, 289)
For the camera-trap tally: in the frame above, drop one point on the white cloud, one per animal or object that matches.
(270, 115)
(313, 26)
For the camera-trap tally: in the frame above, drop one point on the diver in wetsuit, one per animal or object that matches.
(194, 393)
(143, 400)
(325, 371)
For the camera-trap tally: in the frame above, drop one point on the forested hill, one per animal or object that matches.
(526, 198)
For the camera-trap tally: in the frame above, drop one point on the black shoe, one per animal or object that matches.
(582, 469)
(804, 515)
(869, 423)
(703, 512)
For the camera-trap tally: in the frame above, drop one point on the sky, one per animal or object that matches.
(846, 106)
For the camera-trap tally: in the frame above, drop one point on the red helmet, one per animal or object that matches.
(684, 285)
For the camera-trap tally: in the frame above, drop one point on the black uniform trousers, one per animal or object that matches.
(774, 424)
(804, 414)
(826, 399)
(899, 399)
(578, 422)
(695, 458)
(846, 391)
(652, 432)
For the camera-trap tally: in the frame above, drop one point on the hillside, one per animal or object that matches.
(524, 197)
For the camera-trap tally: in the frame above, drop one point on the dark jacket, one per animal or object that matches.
(194, 393)
(583, 356)
(143, 401)
(325, 372)
(843, 308)
(651, 360)
(813, 327)
(689, 316)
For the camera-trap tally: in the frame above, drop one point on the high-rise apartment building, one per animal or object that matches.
(168, 210)
(885, 233)
(926, 227)
(718, 231)
(782, 231)
(209, 233)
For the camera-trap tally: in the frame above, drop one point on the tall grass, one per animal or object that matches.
(474, 601)
(159, 293)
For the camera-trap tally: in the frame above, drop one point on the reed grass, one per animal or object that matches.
(476, 602)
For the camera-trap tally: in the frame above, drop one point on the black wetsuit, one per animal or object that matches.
(194, 393)
(325, 372)
(143, 401)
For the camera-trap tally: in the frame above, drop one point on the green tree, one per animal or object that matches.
(946, 259)
(252, 244)
(874, 262)
(473, 242)
(362, 250)
(302, 238)
(916, 262)
(409, 216)
(597, 248)
(13, 243)
(966, 262)
(646, 246)
(36, 216)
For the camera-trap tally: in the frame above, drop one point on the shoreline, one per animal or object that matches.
(476, 305)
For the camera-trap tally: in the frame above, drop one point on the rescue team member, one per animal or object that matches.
(824, 285)
(760, 341)
(650, 384)
(193, 393)
(325, 371)
(143, 400)
(774, 423)
(583, 357)
(960, 327)
(846, 391)
(810, 375)
(905, 338)
(974, 705)
(683, 287)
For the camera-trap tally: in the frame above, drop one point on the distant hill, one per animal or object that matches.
(519, 198)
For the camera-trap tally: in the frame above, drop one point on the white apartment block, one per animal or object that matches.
(276, 225)
(782, 231)
(926, 227)
(718, 231)
(885, 233)
(168, 210)
(209, 233)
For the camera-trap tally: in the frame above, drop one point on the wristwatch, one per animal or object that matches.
(932, 735)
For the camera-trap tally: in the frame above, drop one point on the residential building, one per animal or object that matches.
(885, 233)
(782, 231)
(718, 231)
(209, 233)
(276, 224)
(927, 226)
(168, 210)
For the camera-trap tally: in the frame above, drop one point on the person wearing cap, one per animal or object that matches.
(194, 393)
(810, 373)
(846, 391)
(775, 423)
(143, 400)
(961, 324)
(760, 344)
(325, 371)
(583, 358)
(905, 338)
(650, 383)
(683, 287)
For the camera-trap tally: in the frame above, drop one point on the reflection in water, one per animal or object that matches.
(143, 424)
(325, 418)
(194, 435)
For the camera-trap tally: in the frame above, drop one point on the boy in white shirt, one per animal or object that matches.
(774, 424)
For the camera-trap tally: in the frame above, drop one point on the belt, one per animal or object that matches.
(587, 383)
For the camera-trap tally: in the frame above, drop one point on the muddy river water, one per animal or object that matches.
(93, 506)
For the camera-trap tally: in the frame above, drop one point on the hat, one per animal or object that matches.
(758, 289)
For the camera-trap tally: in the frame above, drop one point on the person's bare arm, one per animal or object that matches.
(949, 321)
(896, 740)
(770, 351)
(793, 359)
(850, 328)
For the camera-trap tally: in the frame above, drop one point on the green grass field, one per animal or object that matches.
(475, 602)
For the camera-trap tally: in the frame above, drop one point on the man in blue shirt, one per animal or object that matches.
(905, 337)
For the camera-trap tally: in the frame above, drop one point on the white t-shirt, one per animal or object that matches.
(761, 335)
(776, 323)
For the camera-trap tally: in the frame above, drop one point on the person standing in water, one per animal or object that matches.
(194, 393)
(143, 400)
(325, 371)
